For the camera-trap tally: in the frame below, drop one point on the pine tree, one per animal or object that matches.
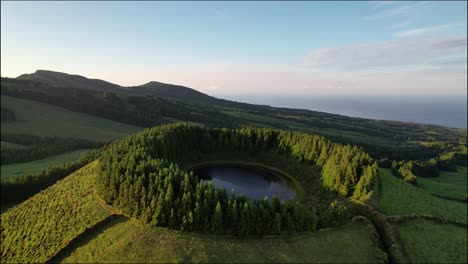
(277, 224)
(217, 220)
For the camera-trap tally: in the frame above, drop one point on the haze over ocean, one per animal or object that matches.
(448, 111)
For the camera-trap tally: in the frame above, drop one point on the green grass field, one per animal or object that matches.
(448, 184)
(46, 120)
(400, 198)
(426, 242)
(19, 169)
(129, 241)
(41, 226)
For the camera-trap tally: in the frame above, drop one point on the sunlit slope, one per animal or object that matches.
(41, 119)
(129, 241)
(49, 223)
(400, 198)
(39, 228)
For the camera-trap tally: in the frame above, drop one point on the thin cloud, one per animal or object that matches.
(421, 30)
(451, 62)
(395, 53)
(406, 10)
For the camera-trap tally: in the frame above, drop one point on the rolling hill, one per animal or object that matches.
(157, 103)
(41, 119)
(85, 230)
(64, 80)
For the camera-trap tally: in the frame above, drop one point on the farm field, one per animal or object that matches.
(399, 198)
(129, 241)
(448, 184)
(19, 169)
(427, 242)
(46, 120)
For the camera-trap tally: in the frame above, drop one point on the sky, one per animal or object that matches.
(223, 48)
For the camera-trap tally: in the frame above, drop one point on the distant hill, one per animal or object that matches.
(155, 103)
(64, 80)
(172, 91)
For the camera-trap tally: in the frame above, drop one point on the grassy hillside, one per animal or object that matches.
(37, 229)
(448, 184)
(19, 169)
(46, 120)
(138, 106)
(426, 242)
(50, 222)
(398, 198)
(130, 241)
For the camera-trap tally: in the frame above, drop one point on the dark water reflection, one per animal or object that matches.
(252, 182)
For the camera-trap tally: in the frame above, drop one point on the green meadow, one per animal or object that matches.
(41, 119)
(400, 198)
(20, 169)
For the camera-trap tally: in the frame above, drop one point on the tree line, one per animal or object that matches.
(410, 170)
(140, 176)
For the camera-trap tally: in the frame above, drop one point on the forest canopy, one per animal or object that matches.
(141, 176)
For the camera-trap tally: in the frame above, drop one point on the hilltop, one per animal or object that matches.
(153, 88)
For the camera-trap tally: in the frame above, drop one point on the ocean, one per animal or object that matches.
(448, 111)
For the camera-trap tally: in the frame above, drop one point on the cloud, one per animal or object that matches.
(394, 11)
(395, 53)
(401, 10)
(460, 42)
(451, 62)
(422, 30)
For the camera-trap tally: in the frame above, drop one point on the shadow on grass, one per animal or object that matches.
(88, 235)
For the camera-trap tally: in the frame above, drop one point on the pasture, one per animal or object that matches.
(448, 184)
(19, 169)
(130, 241)
(427, 242)
(400, 198)
(41, 119)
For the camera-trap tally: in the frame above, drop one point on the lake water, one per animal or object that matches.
(441, 110)
(253, 183)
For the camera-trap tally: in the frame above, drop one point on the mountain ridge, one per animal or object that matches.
(65, 80)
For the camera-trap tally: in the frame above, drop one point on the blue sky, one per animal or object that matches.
(364, 48)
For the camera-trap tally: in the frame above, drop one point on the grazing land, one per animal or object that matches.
(449, 184)
(400, 198)
(130, 241)
(20, 169)
(46, 120)
(427, 242)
